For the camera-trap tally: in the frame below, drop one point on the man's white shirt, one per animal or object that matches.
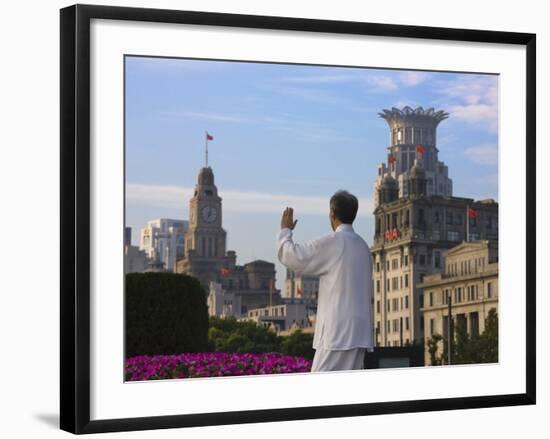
(343, 262)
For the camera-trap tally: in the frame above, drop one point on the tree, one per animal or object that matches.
(165, 313)
(298, 344)
(230, 335)
(432, 345)
(465, 348)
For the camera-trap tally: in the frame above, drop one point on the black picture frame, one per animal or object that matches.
(75, 217)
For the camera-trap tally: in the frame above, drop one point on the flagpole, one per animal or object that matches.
(206, 148)
(467, 223)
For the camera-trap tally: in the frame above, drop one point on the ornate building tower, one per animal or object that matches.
(205, 240)
(413, 138)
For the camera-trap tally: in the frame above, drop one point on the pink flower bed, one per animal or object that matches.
(211, 364)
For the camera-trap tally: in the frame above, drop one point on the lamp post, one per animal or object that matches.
(449, 329)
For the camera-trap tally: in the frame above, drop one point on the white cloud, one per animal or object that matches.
(381, 83)
(472, 99)
(219, 117)
(320, 79)
(310, 94)
(167, 196)
(484, 115)
(412, 78)
(486, 154)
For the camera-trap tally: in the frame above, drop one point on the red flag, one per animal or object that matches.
(225, 271)
(420, 149)
(209, 137)
(299, 292)
(391, 159)
(472, 213)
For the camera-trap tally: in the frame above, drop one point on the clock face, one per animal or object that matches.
(209, 214)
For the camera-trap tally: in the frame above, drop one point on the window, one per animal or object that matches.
(406, 260)
(387, 265)
(489, 290)
(422, 260)
(407, 302)
(474, 323)
(437, 259)
(394, 264)
(431, 298)
(378, 307)
(432, 326)
(394, 283)
(406, 323)
(420, 216)
(389, 305)
(453, 235)
(421, 297)
(388, 284)
(406, 280)
(378, 285)
(378, 267)
(436, 217)
(388, 327)
(449, 217)
(408, 135)
(458, 220)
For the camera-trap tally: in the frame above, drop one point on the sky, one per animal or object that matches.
(289, 135)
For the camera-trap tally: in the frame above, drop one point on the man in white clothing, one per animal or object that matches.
(342, 260)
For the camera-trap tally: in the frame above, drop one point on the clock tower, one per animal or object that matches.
(205, 240)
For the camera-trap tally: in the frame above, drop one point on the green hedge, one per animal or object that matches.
(166, 313)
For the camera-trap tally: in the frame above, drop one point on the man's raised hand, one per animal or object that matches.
(287, 221)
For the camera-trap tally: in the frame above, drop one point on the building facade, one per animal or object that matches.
(288, 315)
(205, 240)
(243, 287)
(413, 228)
(410, 129)
(135, 259)
(162, 240)
(301, 286)
(469, 280)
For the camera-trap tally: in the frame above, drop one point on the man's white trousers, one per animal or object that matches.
(325, 360)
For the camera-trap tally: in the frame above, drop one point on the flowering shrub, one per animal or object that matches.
(211, 364)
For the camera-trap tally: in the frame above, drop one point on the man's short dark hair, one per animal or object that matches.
(345, 206)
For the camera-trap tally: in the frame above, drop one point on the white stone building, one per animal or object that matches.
(163, 238)
(281, 317)
(135, 260)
